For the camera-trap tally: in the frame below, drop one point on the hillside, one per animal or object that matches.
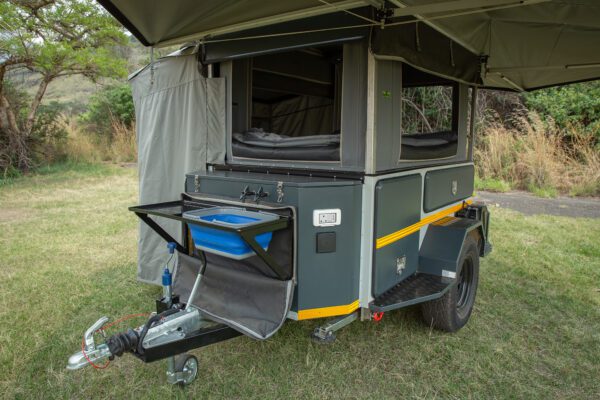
(75, 91)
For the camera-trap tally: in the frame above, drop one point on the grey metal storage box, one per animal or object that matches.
(323, 278)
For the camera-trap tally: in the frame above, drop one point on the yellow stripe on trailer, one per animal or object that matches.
(394, 237)
(327, 311)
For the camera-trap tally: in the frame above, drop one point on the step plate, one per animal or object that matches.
(415, 289)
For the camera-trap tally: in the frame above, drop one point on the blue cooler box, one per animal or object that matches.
(228, 244)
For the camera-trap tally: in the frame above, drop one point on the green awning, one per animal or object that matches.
(511, 44)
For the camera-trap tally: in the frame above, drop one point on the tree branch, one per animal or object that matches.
(418, 110)
(35, 103)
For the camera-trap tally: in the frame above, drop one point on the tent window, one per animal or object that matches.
(294, 110)
(429, 122)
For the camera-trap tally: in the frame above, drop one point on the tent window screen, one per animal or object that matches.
(294, 106)
(429, 122)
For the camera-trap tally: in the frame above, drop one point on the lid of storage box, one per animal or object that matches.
(230, 216)
(264, 178)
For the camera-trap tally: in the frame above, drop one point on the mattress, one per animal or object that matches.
(256, 143)
(429, 146)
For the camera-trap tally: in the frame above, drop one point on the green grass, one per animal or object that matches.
(492, 185)
(59, 172)
(544, 192)
(68, 256)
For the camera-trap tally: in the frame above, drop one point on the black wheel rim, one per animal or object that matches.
(464, 287)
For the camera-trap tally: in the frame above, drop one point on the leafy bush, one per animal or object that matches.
(47, 124)
(112, 103)
(571, 105)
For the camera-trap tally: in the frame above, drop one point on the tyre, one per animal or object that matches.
(452, 311)
(188, 365)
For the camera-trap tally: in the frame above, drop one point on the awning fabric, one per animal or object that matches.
(511, 44)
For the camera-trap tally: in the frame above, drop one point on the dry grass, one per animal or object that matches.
(536, 156)
(123, 146)
(83, 146)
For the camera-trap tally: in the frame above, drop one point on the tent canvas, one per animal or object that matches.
(516, 45)
(180, 128)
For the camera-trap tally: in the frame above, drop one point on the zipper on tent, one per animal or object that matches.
(152, 65)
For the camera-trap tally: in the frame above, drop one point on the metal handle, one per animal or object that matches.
(89, 334)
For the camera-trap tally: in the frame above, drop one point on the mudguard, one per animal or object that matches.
(440, 251)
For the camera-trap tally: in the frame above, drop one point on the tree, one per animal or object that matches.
(111, 103)
(53, 38)
(572, 105)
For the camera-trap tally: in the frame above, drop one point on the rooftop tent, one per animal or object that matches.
(509, 44)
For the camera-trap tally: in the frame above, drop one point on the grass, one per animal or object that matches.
(68, 256)
(60, 172)
(547, 192)
(535, 155)
(492, 184)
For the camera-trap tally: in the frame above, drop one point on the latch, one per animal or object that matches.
(196, 183)
(260, 194)
(400, 264)
(257, 195)
(245, 193)
(280, 193)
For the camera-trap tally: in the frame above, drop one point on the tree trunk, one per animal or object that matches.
(35, 103)
(2, 72)
(17, 151)
(9, 121)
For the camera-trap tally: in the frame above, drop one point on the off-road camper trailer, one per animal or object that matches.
(326, 150)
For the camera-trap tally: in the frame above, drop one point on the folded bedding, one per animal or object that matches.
(260, 138)
(256, 143)
(430, 139)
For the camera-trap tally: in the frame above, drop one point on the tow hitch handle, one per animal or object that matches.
(89, 334)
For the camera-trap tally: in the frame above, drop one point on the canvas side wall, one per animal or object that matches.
(180, 120)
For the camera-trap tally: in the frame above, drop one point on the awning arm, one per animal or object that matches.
(510, 82)
(260, 22)
(542, 67)
(378, 4)
(460, 5)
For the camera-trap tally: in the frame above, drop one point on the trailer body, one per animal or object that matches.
(355, 139)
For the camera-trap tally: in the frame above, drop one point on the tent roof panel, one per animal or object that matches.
(526, 44)
(156, 22)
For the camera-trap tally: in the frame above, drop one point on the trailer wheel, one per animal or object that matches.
(187, 365)
(452, 311)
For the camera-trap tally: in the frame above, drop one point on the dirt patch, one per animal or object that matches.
(12, 214)
(128, 165)
(528, 204)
